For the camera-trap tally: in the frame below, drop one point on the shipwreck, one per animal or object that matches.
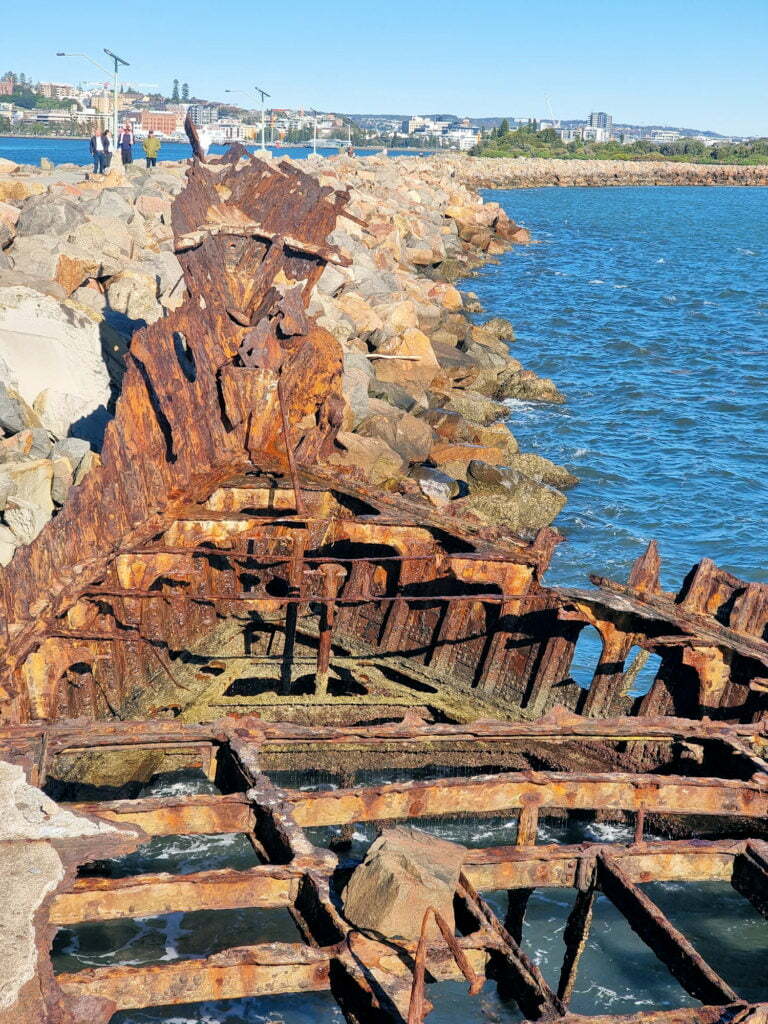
(220, 595)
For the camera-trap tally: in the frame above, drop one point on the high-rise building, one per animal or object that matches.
(203, 113)
(602, 120)
(57, 90)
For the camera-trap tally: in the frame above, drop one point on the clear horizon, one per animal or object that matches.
(683, 64)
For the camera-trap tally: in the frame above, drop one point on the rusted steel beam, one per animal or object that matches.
(419, 1006)
(507, 791)
(333, 578)
(106, 899)
(175, 595)
(510, 867)
(696, 976)
(527, 825)
(576, 934)
(738, 1013)
(519, 973)
(566, 728)
(750, 875)
(619, 598)
(198, 814)
(237, 973)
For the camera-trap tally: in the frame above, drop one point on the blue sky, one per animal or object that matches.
(689, 63)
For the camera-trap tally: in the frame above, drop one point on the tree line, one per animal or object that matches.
(529, 140)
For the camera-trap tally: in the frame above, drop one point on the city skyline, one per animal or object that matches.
(667, 64)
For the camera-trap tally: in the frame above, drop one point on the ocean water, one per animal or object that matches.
(29, 150)
(649, 309)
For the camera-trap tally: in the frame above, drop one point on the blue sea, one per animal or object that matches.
(29, 150)
(649, 308)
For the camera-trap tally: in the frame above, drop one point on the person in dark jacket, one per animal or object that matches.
(106, 140)
(125, 142)
(99, 151)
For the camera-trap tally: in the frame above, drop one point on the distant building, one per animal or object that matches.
(569, 134)
(57, 90)
(164, 121)
(6, 85)
(203, 113)
(460, 136)
(664, 135)
(228, 130)
(425, 126)
(102, 102)
(593, 133)
(600, 119)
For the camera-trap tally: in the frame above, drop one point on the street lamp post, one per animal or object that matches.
(118, 61)
(262, 94)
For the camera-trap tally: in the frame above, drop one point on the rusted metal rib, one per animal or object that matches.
(696, 976)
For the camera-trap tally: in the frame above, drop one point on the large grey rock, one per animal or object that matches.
(21, 279)
(357, 374)
(543, 470)
(332, 280)
(12, 419)
(36, 255)
(72, 448)
(62, 480)
(168, 274)
(134, 293)
(110, 203)
(104, 244)
(30, 869)
(7, 487)
(437, 487)
(46, 215)
(8, 544)
(397, 395)
(25, 519)
(405, 872)
(476, 407)
(507, 497)
(31, 482)
(55, 348)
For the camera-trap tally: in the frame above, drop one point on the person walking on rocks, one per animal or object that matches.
(151, 147)
(126, 142)
(99, 152)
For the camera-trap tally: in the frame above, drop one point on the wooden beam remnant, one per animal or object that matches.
(669, 945)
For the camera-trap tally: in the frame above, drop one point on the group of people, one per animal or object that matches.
(101, 148)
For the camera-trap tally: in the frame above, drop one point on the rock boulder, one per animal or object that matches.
(51, 347)
(405, 872)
